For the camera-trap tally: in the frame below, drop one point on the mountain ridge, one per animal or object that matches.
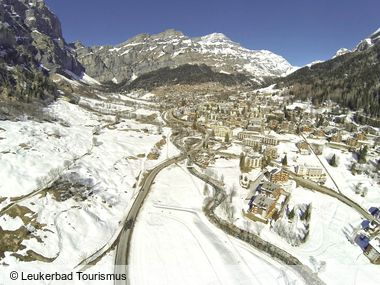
(145, 53)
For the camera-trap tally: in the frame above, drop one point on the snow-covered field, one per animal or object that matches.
(348, 182)
(100, 163)
(327, 249)
(173, 242)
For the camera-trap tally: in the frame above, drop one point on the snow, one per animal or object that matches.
(106, 158)
(341, 51)
(217, 47)
(267, 90)
(313, 63)
(89, 80)
(84, 78)
(215, 37)
(327, 248)
(347, 181)
(10, 224)
(173, 241)
(31, 152)
(327, 243)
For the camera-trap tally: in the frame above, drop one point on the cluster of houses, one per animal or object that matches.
(267, 194)
(257, 125)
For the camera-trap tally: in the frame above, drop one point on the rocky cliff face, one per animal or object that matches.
(145, 53)
(31, 33)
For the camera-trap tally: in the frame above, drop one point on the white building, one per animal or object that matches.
(251, 142)
(314, 173)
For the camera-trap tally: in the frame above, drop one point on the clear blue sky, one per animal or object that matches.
(300, 30)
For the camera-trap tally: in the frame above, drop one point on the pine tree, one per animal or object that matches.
(227, 138)
(284, 161)
(242, 162)
(333, 161)
(362, 154)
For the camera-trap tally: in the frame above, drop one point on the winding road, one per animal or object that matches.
(122, 249)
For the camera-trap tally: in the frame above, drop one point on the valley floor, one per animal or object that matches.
(174, 243)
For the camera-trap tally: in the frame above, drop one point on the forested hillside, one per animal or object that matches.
(352, 79)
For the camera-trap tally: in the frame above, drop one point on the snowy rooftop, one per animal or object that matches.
(375, 243)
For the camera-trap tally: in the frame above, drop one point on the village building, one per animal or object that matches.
(303, 147)
(360, 136)
(314, 173)
(373, 250)
(271, 152)
(337, 138)
(221, 131)
(255, 143)
(278, 176)
(250, 181)
(270, 140)
(352, 142)
(247, 134)
(254, 160)
(267, 202)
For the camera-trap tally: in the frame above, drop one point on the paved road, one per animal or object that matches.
(320, 161)
(122, 250)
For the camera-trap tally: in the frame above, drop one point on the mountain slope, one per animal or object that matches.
(186, 74)
(31, 33)
(31, 49)
(145, 53)
(351, 79)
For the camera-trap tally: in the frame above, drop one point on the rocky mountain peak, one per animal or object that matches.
(170, 33)
(368, 42)
(146, 53)
(215, 37)
(341, 51)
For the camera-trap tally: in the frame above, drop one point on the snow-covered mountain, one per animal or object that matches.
(341, 51)
(314, 62)
(368, 42)
(145, 53)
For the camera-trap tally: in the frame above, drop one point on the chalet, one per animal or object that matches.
(271, 152)
(250, 181)
(278, 176)
(262, 207)
(337, 138)
(269, 189)
(303, 147)
(360, 136)
(319, 133)
(268, 200)
(373, 250)
(306, 129)
(352, 142)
